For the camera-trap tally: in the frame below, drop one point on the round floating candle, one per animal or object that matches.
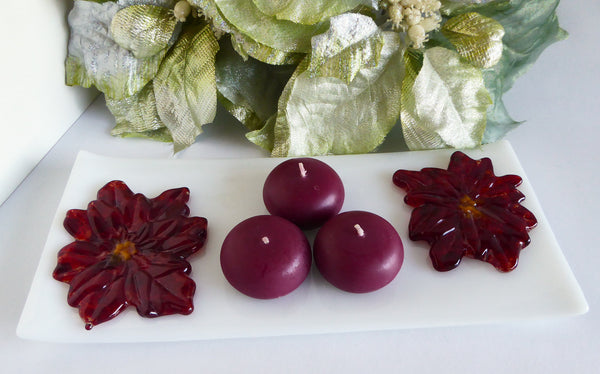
(305, 191)
(265, 257)
(358, 251)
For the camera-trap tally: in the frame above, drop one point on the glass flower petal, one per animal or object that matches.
(467, 211)
(130, 250)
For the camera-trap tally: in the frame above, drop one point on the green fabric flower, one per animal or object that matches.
(310, 77)
(158, 75)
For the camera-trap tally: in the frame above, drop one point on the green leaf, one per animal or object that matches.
(162, 3)
(95, 59)
(451, 8)
(160, 135)
(144, 30)
(353, 42)
(478, 39)
(185, 86)
(249, 89)
(530, 27)
(264, 137)
(446, 104)
(306, 12)
(323, 115)
(246, 47)
(413, 61)
(136, 113)
(243, 44)
(499, 122)
(281, 35)
(210, 10)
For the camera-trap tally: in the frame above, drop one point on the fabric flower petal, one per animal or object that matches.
(94, 58)
(144, 30)
(445, 103)
(185, 85)
(325, 115)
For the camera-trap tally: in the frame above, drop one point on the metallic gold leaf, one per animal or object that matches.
(95, 59)
(242, 43)
(185, 85)
(278, 34)
(136, 113)
(445, 104)
(163, 3)
(249, 89)
(280, 134)
(306, 12)
(530, 26)
(209, 9)
(353, 42)
(325, 115)
(144, 30)
(451, 8)
(241, 112)
(160, 135)
(477, 38)
(247, 47)
(264, 137)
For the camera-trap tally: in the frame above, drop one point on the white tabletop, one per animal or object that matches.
(558, 98)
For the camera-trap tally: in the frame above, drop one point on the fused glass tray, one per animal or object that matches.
(230, 190)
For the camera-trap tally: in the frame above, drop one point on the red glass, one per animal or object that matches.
(467, 210)
(130, 250)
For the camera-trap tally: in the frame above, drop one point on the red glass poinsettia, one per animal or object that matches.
(467, 211)
(130, 250)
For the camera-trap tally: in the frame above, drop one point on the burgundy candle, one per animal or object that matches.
(265, 257)
(305, 191)
(358, 251)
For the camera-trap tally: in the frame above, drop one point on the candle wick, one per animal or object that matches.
(359, 230)
(302, 170)
(265, 240)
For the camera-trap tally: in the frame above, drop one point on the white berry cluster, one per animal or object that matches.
(182, 10)
(415, 17)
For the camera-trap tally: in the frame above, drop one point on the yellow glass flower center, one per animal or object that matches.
(123, 251)
(469, 206)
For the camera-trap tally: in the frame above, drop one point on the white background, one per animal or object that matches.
(35, 104)
(557, 146)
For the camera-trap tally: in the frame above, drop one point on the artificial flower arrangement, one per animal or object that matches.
(310, 77)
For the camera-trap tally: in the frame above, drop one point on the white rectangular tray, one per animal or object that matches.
(229, 191)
